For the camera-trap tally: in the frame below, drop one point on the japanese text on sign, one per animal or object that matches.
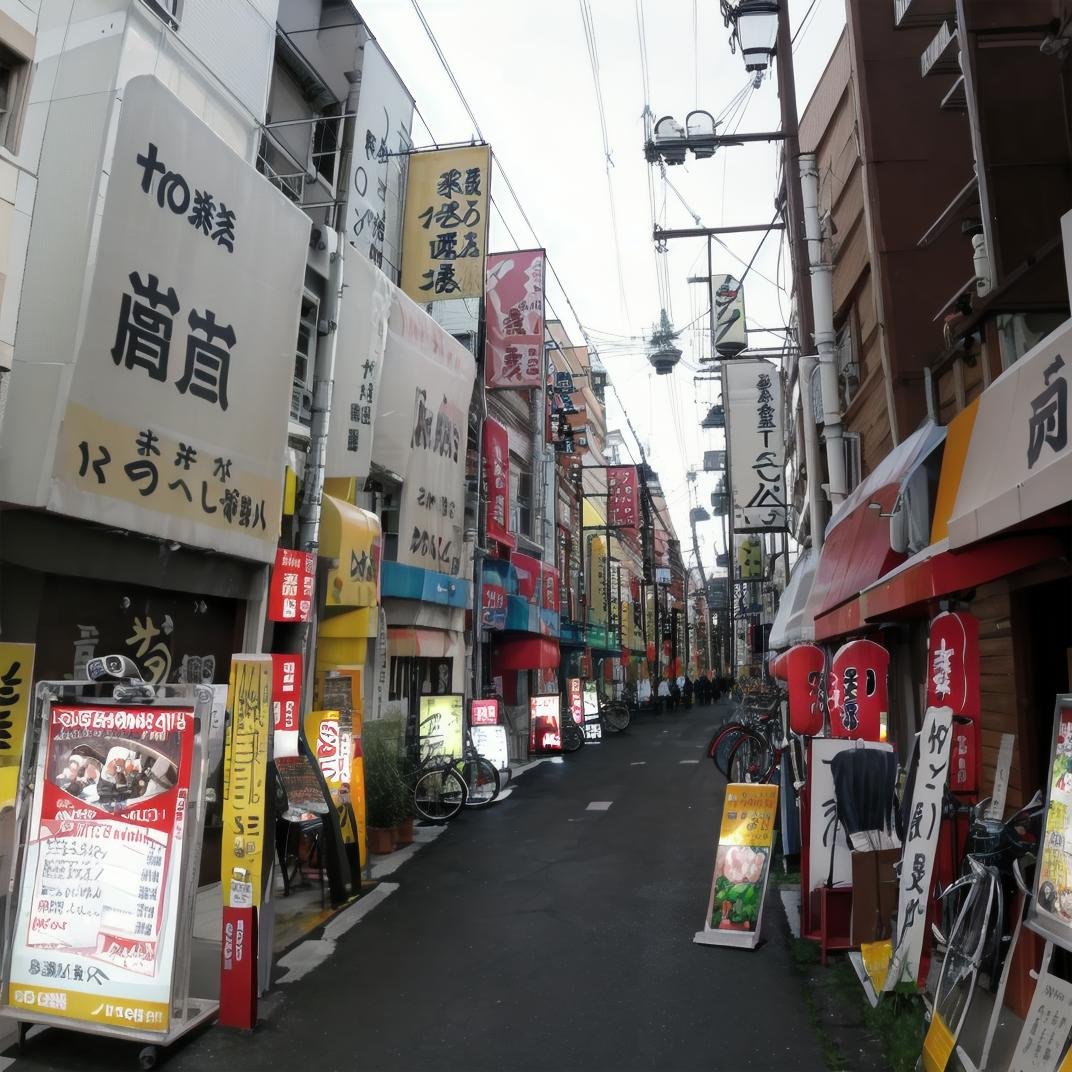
(444, 237)
(514, 353)
(753, 390)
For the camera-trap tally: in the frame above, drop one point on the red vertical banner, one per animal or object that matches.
(549, 585)
(576, 700)
(953, 681)
(497, 475)
(514, 319)
(238, 982)
(290, 595)
(286, 703)
(623, 504)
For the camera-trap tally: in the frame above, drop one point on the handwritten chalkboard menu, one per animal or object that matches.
(302, 786)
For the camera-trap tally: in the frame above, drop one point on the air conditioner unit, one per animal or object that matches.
(301, 405)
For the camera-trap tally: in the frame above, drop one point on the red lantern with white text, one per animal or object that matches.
(857, 693)
(953, 681)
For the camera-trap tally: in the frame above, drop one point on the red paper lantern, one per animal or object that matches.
(803, 665)
(858, 694)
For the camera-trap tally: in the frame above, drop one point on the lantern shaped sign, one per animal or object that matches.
(953, 681)
(857, 694)
(803, 671)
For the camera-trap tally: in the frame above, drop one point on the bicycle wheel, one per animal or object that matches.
(439, 794)
(751, 760)
(572, 736)
(966, 945)
(721, 746)
(616, 717)
(481, 780)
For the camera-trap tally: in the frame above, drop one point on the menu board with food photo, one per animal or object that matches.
(742, 863)
(99, 892)
(1050, 911)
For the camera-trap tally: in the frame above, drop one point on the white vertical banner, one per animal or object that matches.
(382, 127)
(727, 299)
(752, 396)
(920, 843)
(364, 311)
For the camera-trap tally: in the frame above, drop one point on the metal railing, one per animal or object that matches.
(317, 176)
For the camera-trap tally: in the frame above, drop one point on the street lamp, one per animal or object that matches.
(755, 27)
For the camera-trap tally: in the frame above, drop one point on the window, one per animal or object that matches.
(847, 366)
(389, 505)
(305, 354)
(14, 84)
(520, 497)
(168, 10)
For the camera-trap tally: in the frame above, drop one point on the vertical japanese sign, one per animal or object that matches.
(16, 687)
(425, 391)
(1050, 911)
(921, 840)
(245, 774)
(442, 725)
(752, 391)
(176, 420)
(382, 129)
(445, 228)
(576, 699)
(623, 504)
(286, 704)
(727, 299)
(290, 593)
(94, 938)
(742, 864)
(514, 319)
(953, 681)
(497, 476)
(360, 349)
(1045, 1031)
(545, 723)
(592, 725)
(492, 600)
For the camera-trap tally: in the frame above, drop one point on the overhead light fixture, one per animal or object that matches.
(755, 29)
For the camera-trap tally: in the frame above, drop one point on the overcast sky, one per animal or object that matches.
(524, 67)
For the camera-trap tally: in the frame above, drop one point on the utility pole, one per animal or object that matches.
(787, 95)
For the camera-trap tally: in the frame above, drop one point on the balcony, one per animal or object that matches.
(301, 157)
(942, 55)
(911, 14)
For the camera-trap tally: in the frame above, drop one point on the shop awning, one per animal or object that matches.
(1019, 461)
(791, 624)
(424, 643)
(352, 537)
(858, 548)
(525, 653)
(938, 571)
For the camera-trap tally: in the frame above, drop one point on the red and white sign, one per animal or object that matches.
(549, 588)
(953, 681)
(238, 987)
(484, 713)
(857, 693)
(492, 604)
(286, 703)
(514, 319)
(576, 699)
(803, 671)
(290, 596)
(99, 890)
(623, 506)
(545, 723)
(497, 475)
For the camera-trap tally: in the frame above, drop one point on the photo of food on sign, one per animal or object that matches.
(738, 887)
(112, 772)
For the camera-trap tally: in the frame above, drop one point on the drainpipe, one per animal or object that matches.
(810, 435)
(822, 297)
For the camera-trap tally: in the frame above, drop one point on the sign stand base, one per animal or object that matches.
(737, 939)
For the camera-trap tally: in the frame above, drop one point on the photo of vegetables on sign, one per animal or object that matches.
(739, 872)
(742, 863)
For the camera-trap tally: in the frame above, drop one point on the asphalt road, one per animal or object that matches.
(537, 934)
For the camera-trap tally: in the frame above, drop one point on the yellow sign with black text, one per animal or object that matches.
(16, 686)
(245, 767)
(445, 227)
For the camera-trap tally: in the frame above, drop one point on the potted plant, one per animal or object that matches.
(384, 785)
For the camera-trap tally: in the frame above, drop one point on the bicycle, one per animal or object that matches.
(616, 715)
(443, 785)
(757, 731)
(977, 941)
